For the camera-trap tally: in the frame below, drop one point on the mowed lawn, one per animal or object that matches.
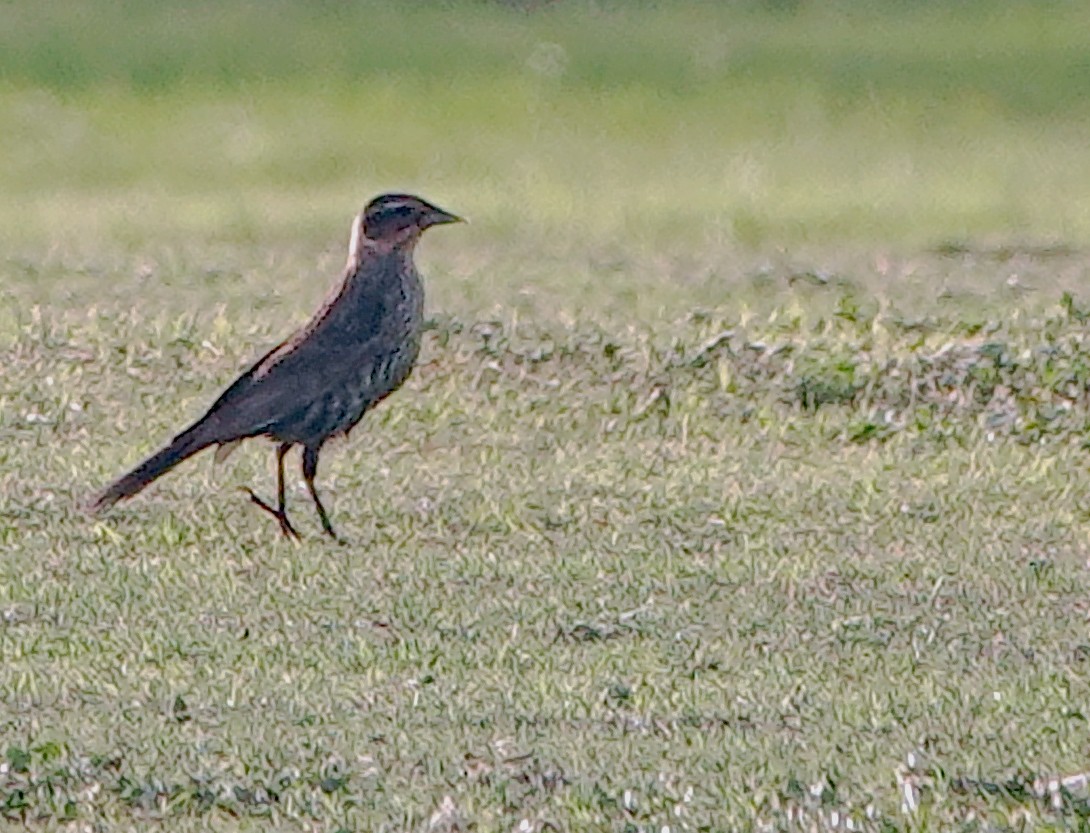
(743, 481)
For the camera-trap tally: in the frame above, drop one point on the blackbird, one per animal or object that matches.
(357, 349)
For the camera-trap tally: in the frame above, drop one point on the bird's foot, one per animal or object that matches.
(327, 527)
(281, 516)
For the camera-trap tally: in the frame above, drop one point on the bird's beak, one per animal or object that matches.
(440, 217)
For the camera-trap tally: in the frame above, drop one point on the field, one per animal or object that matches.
(743, 481)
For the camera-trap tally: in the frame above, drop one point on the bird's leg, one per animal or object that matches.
(280, 513)
(310, 469)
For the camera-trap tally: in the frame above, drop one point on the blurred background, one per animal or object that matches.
(576, 135)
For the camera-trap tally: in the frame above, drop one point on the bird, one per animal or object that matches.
(358, 348)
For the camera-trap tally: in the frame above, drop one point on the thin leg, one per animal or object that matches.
(310, 469)
(281, 512)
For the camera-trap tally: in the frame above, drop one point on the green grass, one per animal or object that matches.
(585, 562)
(742, 482)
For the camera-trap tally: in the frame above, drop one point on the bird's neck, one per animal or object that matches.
(397, 256)
(364, 248)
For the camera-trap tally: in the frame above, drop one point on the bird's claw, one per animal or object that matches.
(286, 529)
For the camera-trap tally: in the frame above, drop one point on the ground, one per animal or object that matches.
(742, 484)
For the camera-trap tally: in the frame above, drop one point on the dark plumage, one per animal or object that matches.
(357, 349)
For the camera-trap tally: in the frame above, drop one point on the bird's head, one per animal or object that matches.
(392, 220)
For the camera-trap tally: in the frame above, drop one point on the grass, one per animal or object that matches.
(741, 484)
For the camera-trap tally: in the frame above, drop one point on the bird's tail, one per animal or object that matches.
(184, 445)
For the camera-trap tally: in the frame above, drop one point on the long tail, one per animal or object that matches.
(184, 445)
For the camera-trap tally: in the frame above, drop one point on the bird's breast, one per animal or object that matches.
(382, 370)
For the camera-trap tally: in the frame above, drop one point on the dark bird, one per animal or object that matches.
(357, 349)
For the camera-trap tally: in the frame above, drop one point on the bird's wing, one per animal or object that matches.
(328, 352)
